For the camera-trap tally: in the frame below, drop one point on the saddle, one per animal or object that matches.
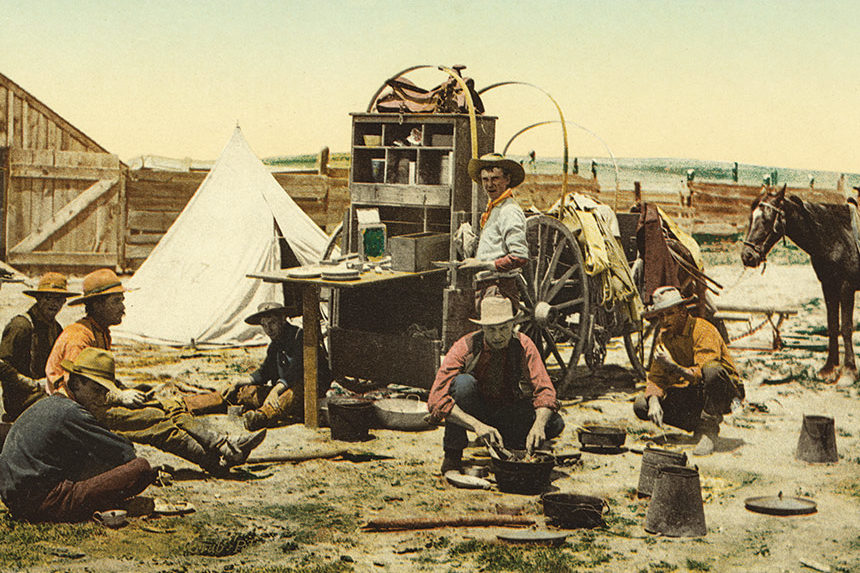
(403, 96)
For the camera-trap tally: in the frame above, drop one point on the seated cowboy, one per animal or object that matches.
(163, 423)
(274, 395)
(27, 342)
(502, 247)
(692, 381)
(494, 383)
(61, 464)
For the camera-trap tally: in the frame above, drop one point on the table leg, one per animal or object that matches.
(311, 326)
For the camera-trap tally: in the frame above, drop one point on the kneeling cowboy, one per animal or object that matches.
(693, 380)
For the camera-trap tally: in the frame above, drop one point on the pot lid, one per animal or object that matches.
(457, 479)
(533, 536)
(780, 505)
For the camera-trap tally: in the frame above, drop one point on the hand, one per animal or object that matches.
(130, 398)
(272, 397)
(536, 436)
(488, 434)
(661, 355)
(655, 411)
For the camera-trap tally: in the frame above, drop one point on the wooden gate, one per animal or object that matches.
(63, 209)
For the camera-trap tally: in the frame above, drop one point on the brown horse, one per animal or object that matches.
(824, 231)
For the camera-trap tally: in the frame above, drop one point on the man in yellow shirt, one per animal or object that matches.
(692, 380)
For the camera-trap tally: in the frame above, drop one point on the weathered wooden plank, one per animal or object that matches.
(60, 258)
(27, 123)
(137, 251)
(122, 223)
(158, 221)
(86, 159)
(143, 238)
(49, 172)
(64, 216)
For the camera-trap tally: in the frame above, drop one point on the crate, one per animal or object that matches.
(417, 251)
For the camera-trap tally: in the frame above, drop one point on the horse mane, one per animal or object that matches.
(827, 216)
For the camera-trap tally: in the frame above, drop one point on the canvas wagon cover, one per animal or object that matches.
(193, 284)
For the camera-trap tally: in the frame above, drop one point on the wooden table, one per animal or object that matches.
(310, 288)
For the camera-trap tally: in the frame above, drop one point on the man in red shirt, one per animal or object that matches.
(494, 383)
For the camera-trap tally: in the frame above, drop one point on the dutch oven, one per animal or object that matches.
(602, 437)
(402, 414)
(528, 474)
(572, 510)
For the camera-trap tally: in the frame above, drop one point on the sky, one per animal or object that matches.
(759, 82)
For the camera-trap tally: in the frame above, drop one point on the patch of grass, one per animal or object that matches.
(661, 567)
(694, 565)
(24, 544)
(223, 543)
(585, 553)
(848, 487)
(314, 521)
(309, 566)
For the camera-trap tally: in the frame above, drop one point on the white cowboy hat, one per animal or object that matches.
(664, 298)
(495, 310)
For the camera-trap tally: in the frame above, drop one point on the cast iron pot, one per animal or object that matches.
(402, 414)
(528, 477)
(572, 510)
(602, 436)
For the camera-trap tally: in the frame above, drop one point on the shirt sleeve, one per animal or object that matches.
(67, 347)
(16, 342)
(543, 392)
(440, 403)
(706, 347)
(515, 233)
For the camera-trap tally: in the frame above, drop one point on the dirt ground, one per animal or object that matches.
(307, 516)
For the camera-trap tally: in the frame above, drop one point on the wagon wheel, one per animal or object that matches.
(554, 293)
(640, 345)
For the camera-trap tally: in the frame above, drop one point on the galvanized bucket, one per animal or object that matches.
(676, 508)
(652, 460)
(817, 442)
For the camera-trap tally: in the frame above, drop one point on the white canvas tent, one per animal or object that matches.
(193, 284)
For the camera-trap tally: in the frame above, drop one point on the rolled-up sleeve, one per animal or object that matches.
(543, 392)
(440, 403)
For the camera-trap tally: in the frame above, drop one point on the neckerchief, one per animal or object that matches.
(492, 203)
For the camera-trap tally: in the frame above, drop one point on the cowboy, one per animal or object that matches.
(275, 393)
(502, 247)
(59, 463)
(27, 342)
(692, 381)
(493, 382)
(165, 423)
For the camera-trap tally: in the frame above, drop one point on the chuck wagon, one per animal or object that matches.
(409, 193)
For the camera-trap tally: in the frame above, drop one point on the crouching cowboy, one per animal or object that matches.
(59, 463)
(493, 382)
(692, 380)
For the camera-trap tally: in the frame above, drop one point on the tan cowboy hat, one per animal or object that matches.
(95, 364)
(495, 310)
(267, 309)
(51, 283)
(491, 160)
(665, 298)
(99, 283)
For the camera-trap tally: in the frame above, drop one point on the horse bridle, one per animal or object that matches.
(777, 231)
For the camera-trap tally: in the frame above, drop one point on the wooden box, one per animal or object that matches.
(417, 251)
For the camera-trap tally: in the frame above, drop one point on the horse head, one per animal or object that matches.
(767, 225)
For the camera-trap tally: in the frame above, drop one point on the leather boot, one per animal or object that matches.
(232, 450)
(190, 449)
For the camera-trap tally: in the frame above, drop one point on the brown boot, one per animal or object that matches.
(453, 461)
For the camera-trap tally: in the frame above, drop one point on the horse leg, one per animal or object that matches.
(831, 300)
(849, 370)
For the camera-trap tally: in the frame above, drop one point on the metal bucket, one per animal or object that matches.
(652, 460)
(350, 419)
(817, 442)
(572, 511)
(676, 508)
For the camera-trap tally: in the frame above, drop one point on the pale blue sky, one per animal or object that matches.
(771, 83)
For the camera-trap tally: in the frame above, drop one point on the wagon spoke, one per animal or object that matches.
(553, 264)
(568, 304)
(553, 348)
(557, 285)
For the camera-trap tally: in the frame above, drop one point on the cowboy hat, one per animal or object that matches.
(99, 283)
(53, 284)
(490, 160)
(665, 298)
(495, 310)
(94, 364)
(267, 309)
